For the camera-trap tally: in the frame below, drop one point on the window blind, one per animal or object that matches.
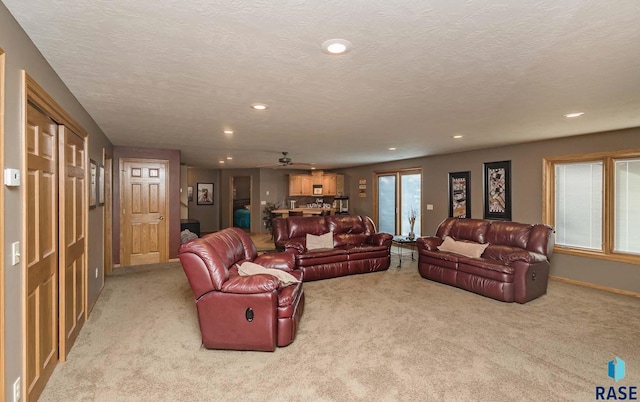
(578, 204)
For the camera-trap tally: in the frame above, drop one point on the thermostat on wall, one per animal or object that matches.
(11, 177)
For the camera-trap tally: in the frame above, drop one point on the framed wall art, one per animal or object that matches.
(93, 183)
(204, 194)
(460, 194)
(190, 193)
(497, 190)
(101, 185)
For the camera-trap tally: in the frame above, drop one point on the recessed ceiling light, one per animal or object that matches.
(228, 131)
(220, 161)
(392, 149)
(336, 46)
(313, 168)
(259, 106)
(229, 158)
(577, 114)
(457, 136)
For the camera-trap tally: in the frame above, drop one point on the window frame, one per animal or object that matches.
(608, 202)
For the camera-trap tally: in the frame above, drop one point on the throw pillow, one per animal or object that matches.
(472, 250)
(318, 242)
(251, 268)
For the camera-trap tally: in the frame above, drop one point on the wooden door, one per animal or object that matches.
(41, 251)
(73, 257)
(2, 350)
(144, 211)
(108, 214)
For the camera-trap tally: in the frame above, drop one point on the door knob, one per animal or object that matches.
(161, 218)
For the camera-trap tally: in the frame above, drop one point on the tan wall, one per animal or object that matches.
(526, 176)
(21, 54)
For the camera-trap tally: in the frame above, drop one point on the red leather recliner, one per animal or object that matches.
(241, 312)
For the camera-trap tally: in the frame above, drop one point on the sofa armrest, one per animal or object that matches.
(296, 246)
(526, 256)
(430, 243)
(380, 239)
(251, 284)
(509, 254)
(282, 261)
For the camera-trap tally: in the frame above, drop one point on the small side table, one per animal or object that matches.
(400, 241)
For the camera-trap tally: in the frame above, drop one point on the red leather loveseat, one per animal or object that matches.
(356, 248)
(512, 264)
(241, 312)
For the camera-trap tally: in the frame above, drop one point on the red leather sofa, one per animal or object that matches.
(357, 247)
(241, 312)
(513, 267)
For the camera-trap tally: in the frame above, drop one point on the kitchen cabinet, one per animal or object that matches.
(332, 184)
(302, 184)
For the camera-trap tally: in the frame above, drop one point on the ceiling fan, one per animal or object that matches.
(285, 161)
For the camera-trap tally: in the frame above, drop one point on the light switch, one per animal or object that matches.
(267, 192)
(15, 253)
(429, 207)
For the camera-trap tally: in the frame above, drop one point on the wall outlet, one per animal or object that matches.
(17, 390)
(96, 272)
(429, 207)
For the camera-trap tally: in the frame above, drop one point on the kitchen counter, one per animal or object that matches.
(305, 211)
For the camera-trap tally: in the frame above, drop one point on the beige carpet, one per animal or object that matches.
(387, 336)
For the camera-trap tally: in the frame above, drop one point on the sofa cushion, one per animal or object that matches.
(509, 234)
(468, 249)
(469, 229)
(439, 258)
(501, 253)
(300, 226)
(350, 239)
(318, 242)
(355, 252)
(324, 256)
(487, 269)
(339, 224)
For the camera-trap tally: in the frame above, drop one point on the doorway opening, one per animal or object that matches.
(241, 202)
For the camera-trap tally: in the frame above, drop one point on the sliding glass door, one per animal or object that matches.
(398, 196)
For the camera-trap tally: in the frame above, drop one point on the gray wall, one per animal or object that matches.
(275, 182)
(21, 54)
(208, 215)
(242, 184)
(526, 178)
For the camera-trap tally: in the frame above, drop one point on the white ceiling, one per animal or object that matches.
(174, 74)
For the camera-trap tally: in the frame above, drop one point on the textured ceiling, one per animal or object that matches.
(174, 73)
